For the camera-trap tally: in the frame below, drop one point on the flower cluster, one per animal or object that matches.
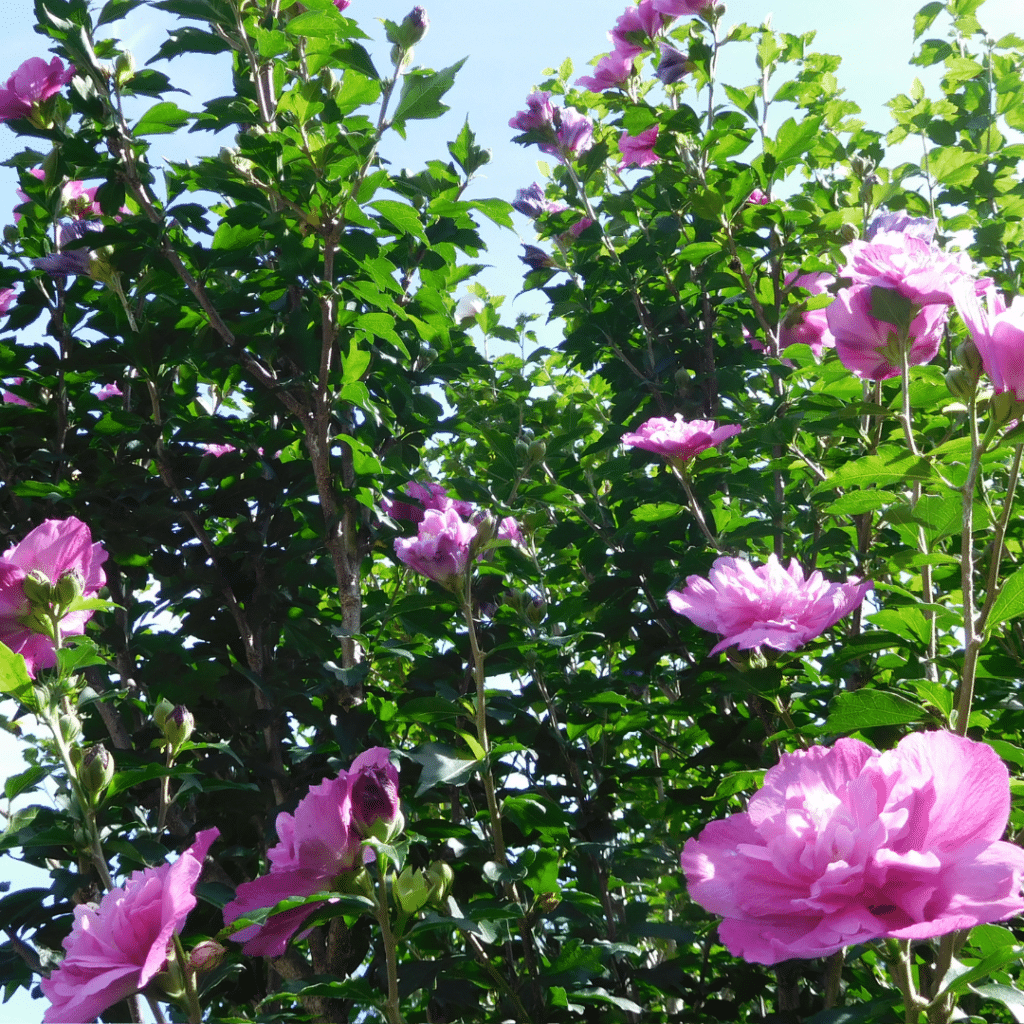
(566, 132)
(320, 841)
(843, 845)
(915, 280)
(765, 607)
(58, 559)
(116, 949)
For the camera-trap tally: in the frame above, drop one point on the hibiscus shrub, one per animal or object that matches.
(662, 671)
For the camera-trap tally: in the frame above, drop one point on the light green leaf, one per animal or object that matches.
(866, 709)
(162, 119)
(421, 94)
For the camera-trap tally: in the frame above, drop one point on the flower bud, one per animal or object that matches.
(11, 233)
(95, 771)
(850, 232)
(206, 956)
(439, 877)
(355, 883)
(536, 452)
(411, 890)
(1004, 407)
(968, 356)
(69, 588)
(535, 610)
(124, 67)
(37, 588)
(536, 258)
(70, 726)
(161, 711)
(411, 30)
(521, 449)
(486, 527)
(177, 726)
(961, 383)
(375, 805)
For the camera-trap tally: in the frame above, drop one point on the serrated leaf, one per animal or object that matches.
(14, 678)
(442, 766)
(422, 92)
(162, 119)
(1010, 602)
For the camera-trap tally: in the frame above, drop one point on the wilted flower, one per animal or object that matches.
(73, 261)
(765, 607)
(316, 844)
(844, 845)
(531, 202)
(673, 65)
(575, 134)
(998, 333)
(677, 438)
(441, 548)
(7, 297)
(52, 551)
(33, 83)
(342, 4)
(871, 347)
(611, 71)
(536, 258)
(638, 150)
(116, 949)
(108, 391)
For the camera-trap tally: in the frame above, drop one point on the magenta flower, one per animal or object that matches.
(7, 297)
(765, 607)
(217, 450)
(374, 791)
(33, 83)
(538, 116)
(9, 398)
(611, 71)
(870, 347)
(108, 391)
(57, 549)
(635, 26)
(678, 439)
(810, 327)
(342, 4)
(843, 845)
(316, 844)
(575, 135)
(758, 198)
(575, 230)
(638, 150)
(428, 496)
(681, 8)
(116, 949)
(906, 263)
(508, 529)
(998, 332)
(441, 549)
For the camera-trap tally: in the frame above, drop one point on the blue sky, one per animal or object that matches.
(508, 45)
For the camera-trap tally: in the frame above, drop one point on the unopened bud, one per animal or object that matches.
(95, 771)
(535, 610)
(850, 232)
(356, 883)
(1004, 407)
(178, 726)
(11, 233)
(412, 29)
(861, 165)
(411, 890)
(522, 449)
(69, 588)
(961, 383)
(486, 525)
(70, 727)
(37, 588)
(206, 956)
(536, 452)
(161, 711)
(968, 356)
(547, 902)
(124, 67)
(440, 878)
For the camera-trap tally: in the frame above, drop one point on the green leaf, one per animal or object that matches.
(867, 709)
(162, 119)
(115, 10)
(890, 465)
(1010, 602)
(402, 216)
(422, 92)
(655, 512)
(1011, 998)
(441, 766)
(25, 781)
(857, 502)
(954, 166)
(924, 17)
(14, 678)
